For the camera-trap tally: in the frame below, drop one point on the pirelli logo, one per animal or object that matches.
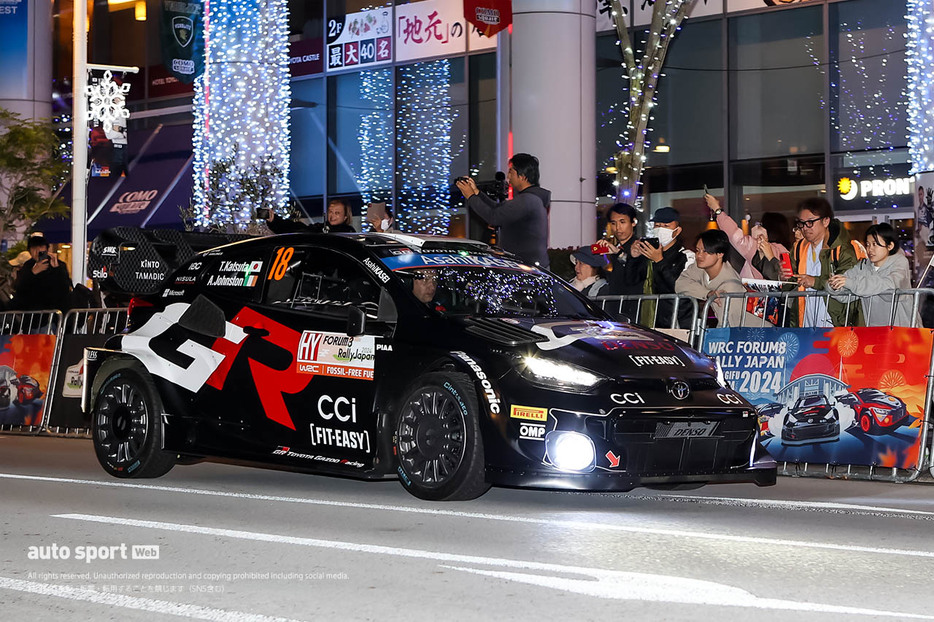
(527, 412)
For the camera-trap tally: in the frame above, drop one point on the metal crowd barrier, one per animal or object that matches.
(845, 471)
(617, 307)
(104, 323)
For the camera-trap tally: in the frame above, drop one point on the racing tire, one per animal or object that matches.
(126, 423)
(865, 424)
(436, 441)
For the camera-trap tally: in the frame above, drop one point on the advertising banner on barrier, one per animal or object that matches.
(66, 407)
(25, 367)
(831, 396)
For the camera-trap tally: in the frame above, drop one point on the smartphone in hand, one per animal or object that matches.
(785, 258)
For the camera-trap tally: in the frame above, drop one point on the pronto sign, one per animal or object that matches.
(850, 189)
(489, 16)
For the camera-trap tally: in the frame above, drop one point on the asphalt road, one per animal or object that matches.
(226, 542)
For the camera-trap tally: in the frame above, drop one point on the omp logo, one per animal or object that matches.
(532, 431)
(528, 412)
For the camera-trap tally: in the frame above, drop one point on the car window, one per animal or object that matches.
(322, 281)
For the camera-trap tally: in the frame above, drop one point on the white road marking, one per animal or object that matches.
(608, 584)
(184, 610)
(551, 522)
(667, 589)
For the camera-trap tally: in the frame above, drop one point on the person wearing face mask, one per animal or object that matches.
(381, 221)
(666, 261)
(884, 270)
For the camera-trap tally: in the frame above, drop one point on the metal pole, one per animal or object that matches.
(79, 137)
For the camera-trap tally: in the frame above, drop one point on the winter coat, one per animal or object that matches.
(874, 286)
(523, 222)
(748, 248)
(845, 259)
(695, 283)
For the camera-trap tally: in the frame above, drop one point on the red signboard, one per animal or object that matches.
(489, 16)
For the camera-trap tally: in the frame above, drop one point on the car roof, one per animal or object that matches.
(412, 242)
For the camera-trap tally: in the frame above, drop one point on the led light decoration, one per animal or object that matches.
(241, 107)
(107, 101)
(425, 147)
(643, 73)
(374, 179)
(920, 86)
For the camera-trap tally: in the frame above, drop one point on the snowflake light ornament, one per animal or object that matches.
(107, 101)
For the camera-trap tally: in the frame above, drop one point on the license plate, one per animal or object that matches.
(685, 429)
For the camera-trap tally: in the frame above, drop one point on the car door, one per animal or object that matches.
(314, 381)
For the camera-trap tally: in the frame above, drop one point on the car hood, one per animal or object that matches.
(605, 347)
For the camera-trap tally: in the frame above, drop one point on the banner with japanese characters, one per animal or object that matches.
(362, 39)
(430, 28)
(831, 395)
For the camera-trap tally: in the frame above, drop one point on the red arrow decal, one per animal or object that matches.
(613, 458)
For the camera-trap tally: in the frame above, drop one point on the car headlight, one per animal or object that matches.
(558, 375)
(570, 451)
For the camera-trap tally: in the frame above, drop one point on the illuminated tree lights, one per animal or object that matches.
(241, 103)
(424, 129)
(374, 177)
(920, 86)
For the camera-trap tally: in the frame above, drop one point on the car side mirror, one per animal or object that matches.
(356, 321)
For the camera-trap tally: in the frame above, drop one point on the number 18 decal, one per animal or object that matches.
(281, 263)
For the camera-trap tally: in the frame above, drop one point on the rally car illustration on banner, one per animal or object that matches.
(442, 362)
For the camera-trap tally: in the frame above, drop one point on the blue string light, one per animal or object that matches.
(920, 87)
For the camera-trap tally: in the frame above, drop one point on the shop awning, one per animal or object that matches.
(158, 181)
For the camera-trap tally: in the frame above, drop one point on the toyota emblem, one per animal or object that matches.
(679, 390)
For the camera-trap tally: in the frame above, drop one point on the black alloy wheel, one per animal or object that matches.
(437, 439)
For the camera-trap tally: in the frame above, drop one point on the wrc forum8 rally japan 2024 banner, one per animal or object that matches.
(831, 395)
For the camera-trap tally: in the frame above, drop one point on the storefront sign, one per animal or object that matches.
(14, 33)
(430, 28)
(306, 57)
(182, 37)
(874, 187)
(361, 39)
(488, 16)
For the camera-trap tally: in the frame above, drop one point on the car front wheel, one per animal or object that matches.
(437, 439)
(126, 423)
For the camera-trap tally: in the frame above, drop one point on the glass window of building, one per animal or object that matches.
(431, 146)
(360, 133)
(309, 135)
(690, 99)
(306, 19)
(777, 79)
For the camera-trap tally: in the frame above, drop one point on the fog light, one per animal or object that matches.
(570, 451)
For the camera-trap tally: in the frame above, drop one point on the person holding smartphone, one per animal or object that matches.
(667, 259)
(42, 282)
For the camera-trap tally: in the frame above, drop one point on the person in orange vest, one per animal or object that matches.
(824, 250)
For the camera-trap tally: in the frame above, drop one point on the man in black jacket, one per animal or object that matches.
(523, 221)
(629, 270)
(337, 220)
(667, 259)
(42, 282)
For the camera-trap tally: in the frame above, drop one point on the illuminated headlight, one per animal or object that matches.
(570, 451)
(558, 375)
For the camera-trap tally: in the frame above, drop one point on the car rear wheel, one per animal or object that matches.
(126, 423)
(437, 439)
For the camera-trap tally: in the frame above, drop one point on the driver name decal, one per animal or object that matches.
(336, 355)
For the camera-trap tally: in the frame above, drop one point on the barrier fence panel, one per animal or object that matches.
(82, 328)
(854, 401)
(27, 350)
(679, 320)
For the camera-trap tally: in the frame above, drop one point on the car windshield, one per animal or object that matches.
(494, 292)
(815, 400)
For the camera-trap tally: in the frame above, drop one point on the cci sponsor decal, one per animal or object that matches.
(528, 412)
(489, 393)
(337, 355)
(237, 274)
(627, 398)
(532, 431)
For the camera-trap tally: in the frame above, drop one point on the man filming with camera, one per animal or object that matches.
(42, 282)
(523, 221)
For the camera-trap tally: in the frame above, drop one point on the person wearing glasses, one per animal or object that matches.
(824, 250)
(711, 275)
(876, 277)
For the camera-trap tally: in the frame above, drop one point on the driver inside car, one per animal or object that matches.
(425, 286)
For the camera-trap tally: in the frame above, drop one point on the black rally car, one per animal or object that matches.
(443, 362)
